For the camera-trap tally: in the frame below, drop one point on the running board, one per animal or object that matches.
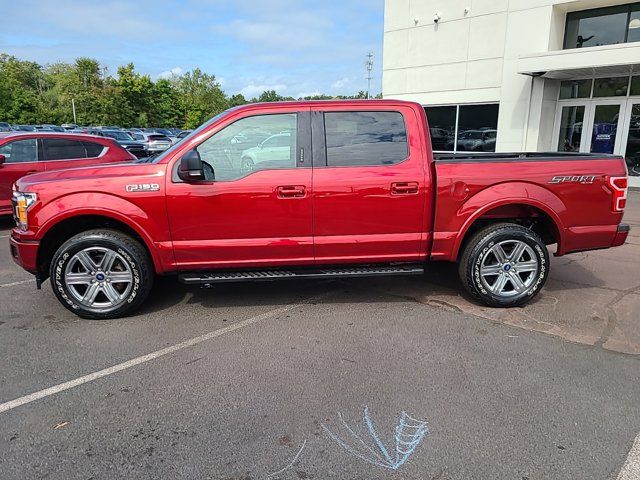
(204, 278)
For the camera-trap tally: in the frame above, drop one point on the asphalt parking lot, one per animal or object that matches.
(271, 380)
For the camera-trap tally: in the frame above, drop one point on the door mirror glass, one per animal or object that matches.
(191, 168)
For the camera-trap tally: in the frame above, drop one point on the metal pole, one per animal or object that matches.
(73, 106)
(369, 65)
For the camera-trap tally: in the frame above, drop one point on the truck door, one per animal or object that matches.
(369, 188)
(254, 209)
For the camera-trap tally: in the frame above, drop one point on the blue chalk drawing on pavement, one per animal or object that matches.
(408, 434)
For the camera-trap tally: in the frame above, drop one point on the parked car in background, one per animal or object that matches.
(26, 128)
(24, 153)
(155, 142)
(50, 128)
(5, 127)
(69, 126)
(183, 134)
(138, 148)
(163, 131)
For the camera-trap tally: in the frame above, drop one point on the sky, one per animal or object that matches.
(297, 48)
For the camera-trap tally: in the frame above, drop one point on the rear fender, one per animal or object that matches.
(520, 193)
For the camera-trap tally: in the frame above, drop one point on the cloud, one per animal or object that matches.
(341, 83)
(175, 71)
(251, 91)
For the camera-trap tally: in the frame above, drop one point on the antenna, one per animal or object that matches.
(369, 65)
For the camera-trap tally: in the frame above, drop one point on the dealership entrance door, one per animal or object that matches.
(591, 126)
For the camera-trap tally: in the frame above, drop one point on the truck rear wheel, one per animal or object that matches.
(504, 265)
(101, 274)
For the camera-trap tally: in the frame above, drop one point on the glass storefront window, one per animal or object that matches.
(476, 128)
(633, 33)
(632, 155)
(575, 89)
(635, 86)
(571, 128)
(442, 126)
(605, 128)
(599, 26)
(611, 87)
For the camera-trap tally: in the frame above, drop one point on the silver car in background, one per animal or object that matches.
(155, 142)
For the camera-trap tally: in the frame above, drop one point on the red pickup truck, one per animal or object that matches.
(312, 190)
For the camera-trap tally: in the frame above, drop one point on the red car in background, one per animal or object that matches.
(24, 153)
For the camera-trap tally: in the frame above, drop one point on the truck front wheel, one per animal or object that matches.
(101, 274)
(504, 265)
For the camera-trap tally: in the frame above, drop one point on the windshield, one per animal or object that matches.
(197, 131)
(118, 135)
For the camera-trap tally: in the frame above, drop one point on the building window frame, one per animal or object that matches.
(630, 9)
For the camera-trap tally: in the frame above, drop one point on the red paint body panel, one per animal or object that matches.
(11, 172)
(345, 215)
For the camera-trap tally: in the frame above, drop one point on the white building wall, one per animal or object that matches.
(471, 56)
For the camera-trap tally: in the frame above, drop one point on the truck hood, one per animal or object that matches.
(99, 177)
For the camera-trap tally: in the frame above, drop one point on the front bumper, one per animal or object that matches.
(25, 253)
(621, 235)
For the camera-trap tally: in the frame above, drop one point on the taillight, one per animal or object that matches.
(618, 187)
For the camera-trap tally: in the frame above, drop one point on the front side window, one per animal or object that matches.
(63, 149)
(20, 151)
(365, 138)
(261, 142)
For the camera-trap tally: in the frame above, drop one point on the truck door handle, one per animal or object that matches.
(291, 191)
(404, 188)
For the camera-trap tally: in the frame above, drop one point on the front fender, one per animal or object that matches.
(150, 226)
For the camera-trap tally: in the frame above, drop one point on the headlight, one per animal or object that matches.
(22, 201)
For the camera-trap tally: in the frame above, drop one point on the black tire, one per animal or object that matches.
(131, 259)
(479, 249)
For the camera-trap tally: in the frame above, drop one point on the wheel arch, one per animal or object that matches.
(523, 209)
(58, 230)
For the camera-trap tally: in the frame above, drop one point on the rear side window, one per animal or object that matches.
(93, 149)
(20, 151)
(365, 138)
(63, 149)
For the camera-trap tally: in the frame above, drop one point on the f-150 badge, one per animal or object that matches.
(142, 187)
(584, 179)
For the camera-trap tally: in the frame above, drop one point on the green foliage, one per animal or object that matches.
(33, 94)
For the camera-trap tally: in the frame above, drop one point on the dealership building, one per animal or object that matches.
(514, 75)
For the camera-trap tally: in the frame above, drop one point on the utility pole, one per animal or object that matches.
(369, 65)
(73, 106)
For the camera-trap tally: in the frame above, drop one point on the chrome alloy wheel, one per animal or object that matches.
(99, 278)
(509, 268)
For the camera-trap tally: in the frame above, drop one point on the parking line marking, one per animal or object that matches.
(5, 236)
(151, 356)
(631, 468)
(21, 282)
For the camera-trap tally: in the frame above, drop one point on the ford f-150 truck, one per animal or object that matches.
(312, 190)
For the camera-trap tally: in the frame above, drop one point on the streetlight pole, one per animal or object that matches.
(73, 106)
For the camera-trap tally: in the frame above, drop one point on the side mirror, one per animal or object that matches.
(191, 168)
(2, 159)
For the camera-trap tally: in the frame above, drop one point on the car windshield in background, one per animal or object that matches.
(118, 135)
(159, 137)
